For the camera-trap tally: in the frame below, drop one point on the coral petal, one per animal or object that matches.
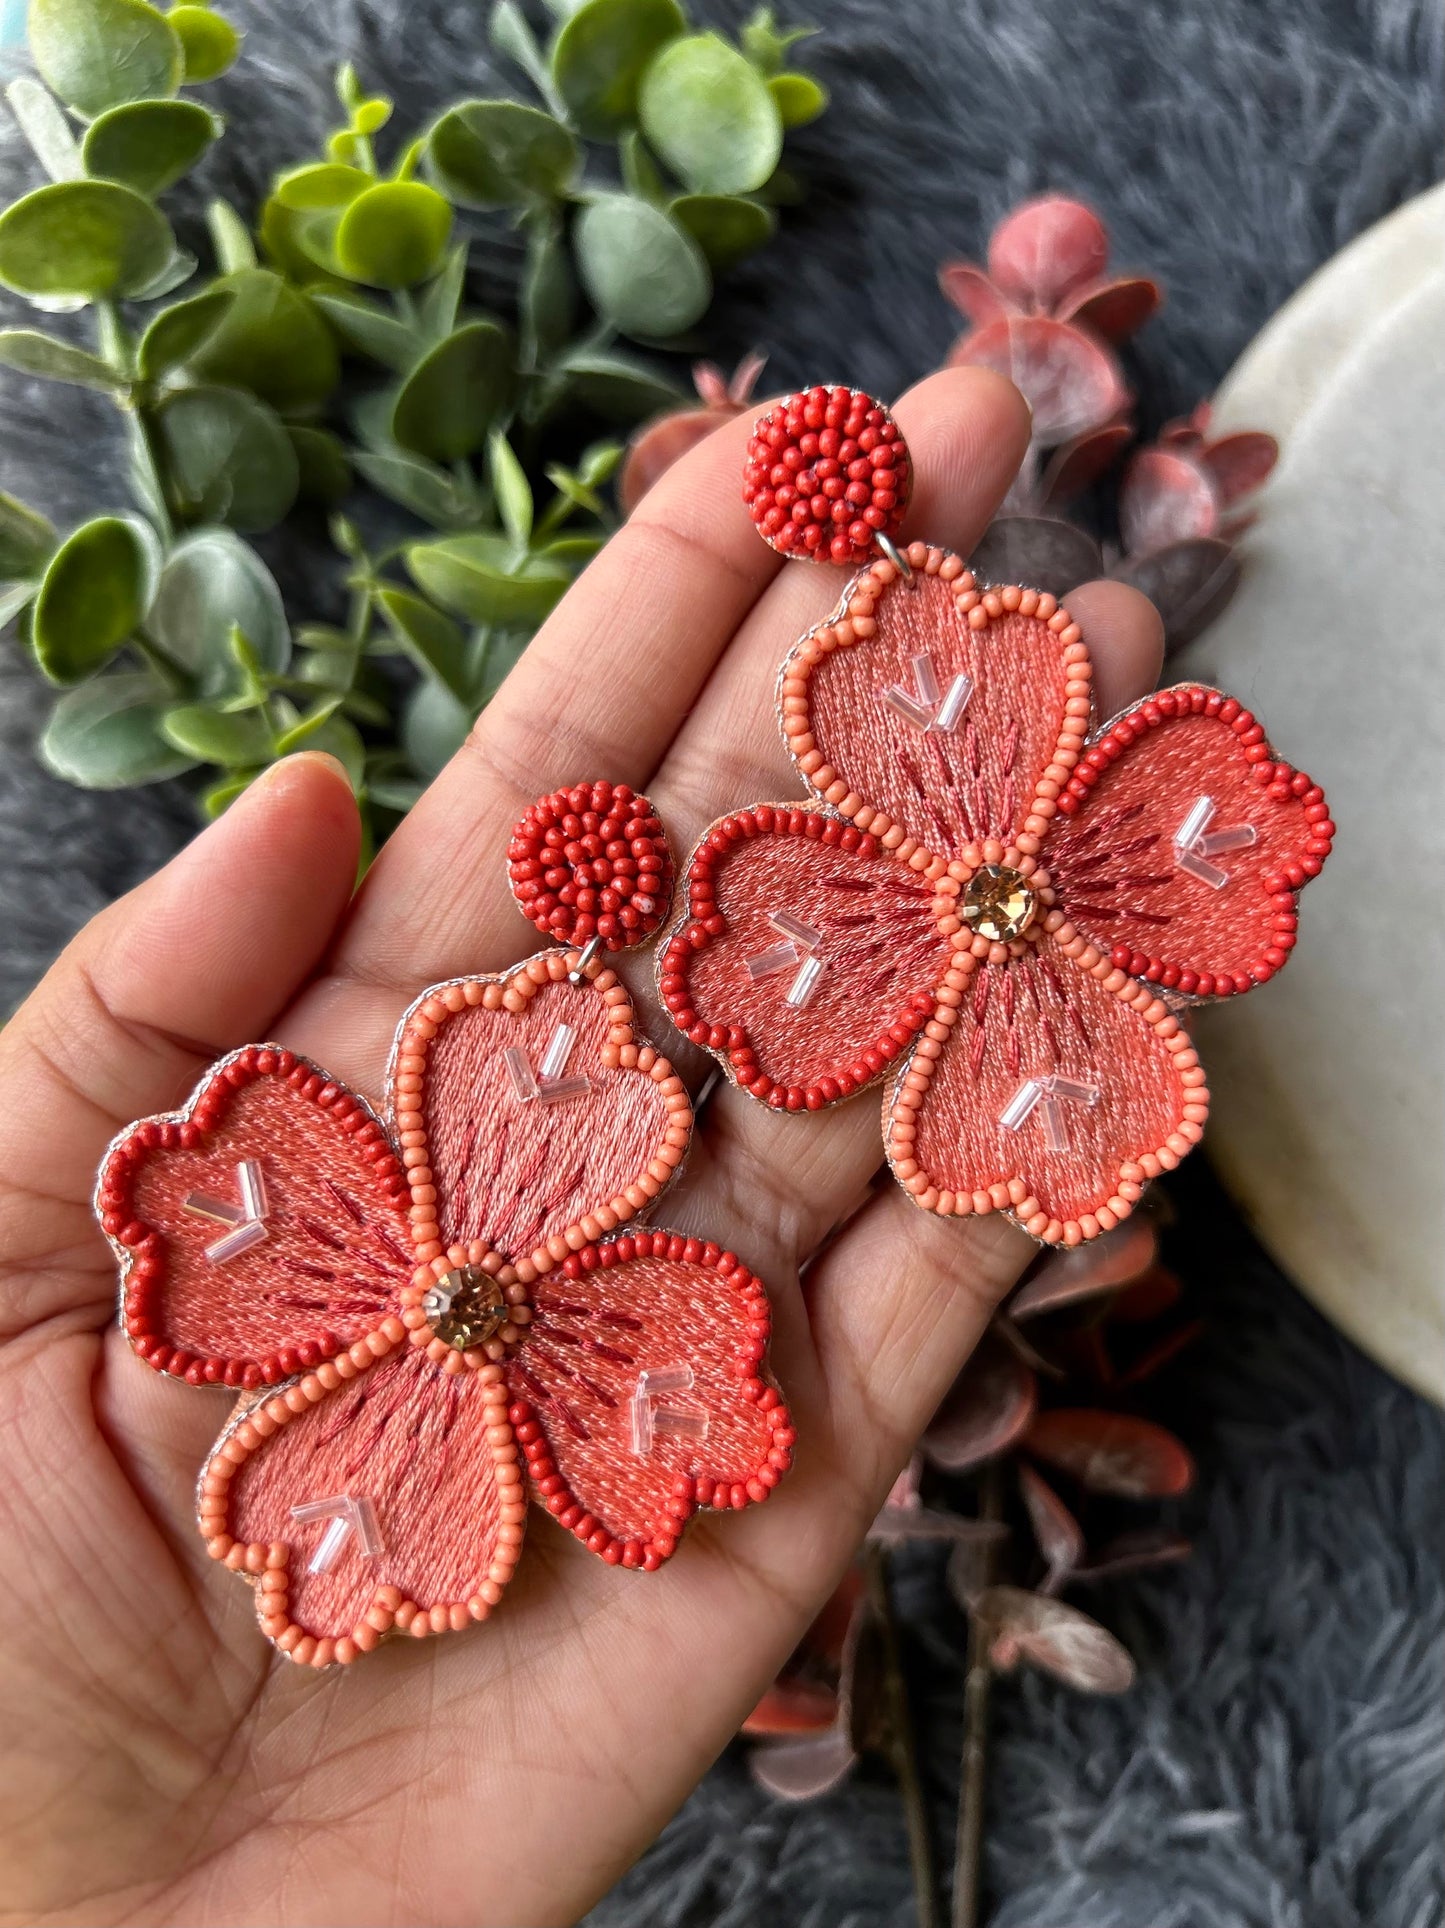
(696, 1323)
(516, 1173)
(419, 1443)
(1043, 1015)
(1112, 856)
(335, 1251)
(882, 950)
(944, 788)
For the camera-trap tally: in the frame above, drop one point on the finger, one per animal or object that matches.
(197, 960)
(1126, 643)
(898, 1302)
(599, 693)
(790, 1181)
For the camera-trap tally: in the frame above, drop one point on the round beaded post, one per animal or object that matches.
(590, 867)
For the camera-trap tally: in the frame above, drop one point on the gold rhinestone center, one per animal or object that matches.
(465, 1307)
(998, 904)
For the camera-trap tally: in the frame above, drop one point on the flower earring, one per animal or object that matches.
(988, 899)
(435, 1314)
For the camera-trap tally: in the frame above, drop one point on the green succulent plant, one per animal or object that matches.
(334, 351)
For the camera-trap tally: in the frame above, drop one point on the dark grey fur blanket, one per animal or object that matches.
(1279, 1764)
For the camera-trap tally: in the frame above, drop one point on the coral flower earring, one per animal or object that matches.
(987, 899)
(439, 1314)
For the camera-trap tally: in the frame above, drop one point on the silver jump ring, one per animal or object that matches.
(896, 556)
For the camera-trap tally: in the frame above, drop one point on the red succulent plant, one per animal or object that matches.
(829, 1706)
(667, 438)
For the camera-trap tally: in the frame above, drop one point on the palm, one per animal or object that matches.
(163, 1760)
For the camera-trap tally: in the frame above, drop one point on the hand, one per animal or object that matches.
(161, 1762)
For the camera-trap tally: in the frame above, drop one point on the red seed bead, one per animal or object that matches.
(590, 862)
(827, 471)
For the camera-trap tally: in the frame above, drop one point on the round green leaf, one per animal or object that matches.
(321, 457)
(708, 113)
(271, 341)
(799, 98)
(432, 640)
(434, 727)
(106, 735)
(148, 144)
(179, 331)
(90, 239)
(321, 184)
(617, 388)
(212, 581)
(601, 53)
(367, 328)
(97, 53)
(98, 586)
(209, 43)
(643, 272)
(725, 226)
(476, 577)
(27, 539)
(394, 235)
(429, 492)
(53, 360)
(451, 398)
(226, 458)
(499, 153)
(236, 740)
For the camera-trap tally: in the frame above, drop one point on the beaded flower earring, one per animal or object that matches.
(434, 1313)
(997, 909)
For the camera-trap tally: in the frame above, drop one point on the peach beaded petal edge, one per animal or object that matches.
(623, 1050)
(1119, 1192)
(854, 622)
(266, 1565)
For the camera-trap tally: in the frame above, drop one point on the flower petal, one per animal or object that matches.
(1047, 1014)
(333, 1249)
(419, 1458)
(879, 942)
(928, 789)
(490, 1159)
(624, 1467)
(1113, 860)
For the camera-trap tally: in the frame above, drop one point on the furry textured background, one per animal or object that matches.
(1279, 1763)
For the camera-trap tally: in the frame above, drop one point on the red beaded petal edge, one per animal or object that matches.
(265, 1566)
(623, 1050)
(853, 622)
(137, 1247)
(1012, 1195)
(551, 1490)
(1280, 780)
(704, 922)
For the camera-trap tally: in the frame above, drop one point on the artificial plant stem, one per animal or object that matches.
(973, 1771)
(905, 1746)
(113, 339)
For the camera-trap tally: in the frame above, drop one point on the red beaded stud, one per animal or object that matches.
(591, 865)
(827, 473)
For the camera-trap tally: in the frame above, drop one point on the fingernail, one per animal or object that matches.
(318, 759)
